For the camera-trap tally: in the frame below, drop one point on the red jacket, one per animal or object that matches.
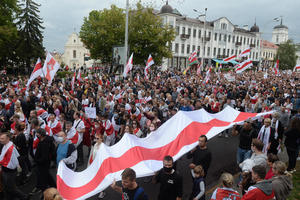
(260, 191)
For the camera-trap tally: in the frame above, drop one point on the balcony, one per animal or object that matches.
(252, 45)
(184, 36)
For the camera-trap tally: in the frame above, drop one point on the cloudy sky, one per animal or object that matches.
(62, 17)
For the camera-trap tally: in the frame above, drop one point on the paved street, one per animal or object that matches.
(223, 151)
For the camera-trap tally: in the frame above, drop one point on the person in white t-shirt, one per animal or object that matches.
(78, 124)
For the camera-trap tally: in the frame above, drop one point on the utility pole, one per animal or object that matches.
(126, 33)
(204, 40)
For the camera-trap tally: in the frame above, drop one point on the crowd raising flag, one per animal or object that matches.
(296, 68)
(229, 58)
(128, 66)
(245, 53)
(37, 72)
(243, 66)
(176, 137)
(148, 65)
(276, 67)
(50, 68)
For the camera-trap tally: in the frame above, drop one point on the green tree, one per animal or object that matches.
(30, 43)
(147, 34)
(8, 30)
(286, 54)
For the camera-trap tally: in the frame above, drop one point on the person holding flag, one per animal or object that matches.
(148, 65)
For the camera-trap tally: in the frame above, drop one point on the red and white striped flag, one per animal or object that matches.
(176, 137)
(243, 66)
(193, 58)
(128, 67)
(148, 65)
(276, 67)
(245, 53)
(15, 84)
(50, 68)
(229, 58)
(207, 77)
(37, 72)
(296, 68)
(199, 66)
(73, 82)
(79, 77)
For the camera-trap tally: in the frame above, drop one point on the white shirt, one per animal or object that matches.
(79, 125)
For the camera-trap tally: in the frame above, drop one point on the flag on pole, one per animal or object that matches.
(148, 65)
(296, 68)
(207, 77)
(50, 68)
(73, 82)
(243, 66)
(199, 68)
(276, 67)
(79, 77)
(128, 67)
(193, 58)
(245, 53)
(229, 58)
(37, 72)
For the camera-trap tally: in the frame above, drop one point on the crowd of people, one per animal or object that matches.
(43, 125)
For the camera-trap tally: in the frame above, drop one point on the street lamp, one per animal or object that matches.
(126, 32)
(204, 39)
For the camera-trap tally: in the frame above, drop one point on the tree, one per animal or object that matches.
(147, 34)
(30, 43)
(286, 54)
(8, 29)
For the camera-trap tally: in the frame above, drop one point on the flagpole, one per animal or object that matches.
(126, 32)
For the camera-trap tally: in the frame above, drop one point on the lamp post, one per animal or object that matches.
(126, 32)
(204, 39)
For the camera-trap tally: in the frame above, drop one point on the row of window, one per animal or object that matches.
(221, 37)
(216, 52)
(268, 55)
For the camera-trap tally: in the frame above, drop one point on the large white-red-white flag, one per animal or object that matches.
(296, 68)
(276, 67)
(129, 66)
(50, 68)
(229, 58)
(37, 72)
(243, 66)
(245, 53)
(175, 137)
(150, 62)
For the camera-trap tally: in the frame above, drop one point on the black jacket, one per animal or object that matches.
(45, 152)
(292, 140)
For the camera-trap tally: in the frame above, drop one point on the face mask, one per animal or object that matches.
(60, 139)
(168, 169)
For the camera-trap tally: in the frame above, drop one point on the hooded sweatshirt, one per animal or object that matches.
(282, 185)
(261, 190)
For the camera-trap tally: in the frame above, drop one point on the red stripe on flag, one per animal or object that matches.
(244, 65)
(229, 58)
(187, 136)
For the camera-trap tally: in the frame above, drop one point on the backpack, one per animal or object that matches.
(139, 193)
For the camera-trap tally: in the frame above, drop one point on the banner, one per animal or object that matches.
(90, 112)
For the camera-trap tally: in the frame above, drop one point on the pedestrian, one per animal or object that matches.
(262, 189)
(270, 161)
(292, 143)
(66, 151)
(198, 192)
(170, 181)
(267, 136)
(130, 189)
(78, 124)
(226, 190)
(8, 167)
(201, 155)
(282, 181)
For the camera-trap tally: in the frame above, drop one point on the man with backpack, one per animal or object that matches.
(130, 189)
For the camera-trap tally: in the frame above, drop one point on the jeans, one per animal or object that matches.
(242, 154)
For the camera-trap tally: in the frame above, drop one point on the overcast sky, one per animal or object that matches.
(62, 17)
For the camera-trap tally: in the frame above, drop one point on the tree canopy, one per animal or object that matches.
(286, 54)
(147, 34)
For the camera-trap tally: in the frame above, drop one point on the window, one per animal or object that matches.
(224, 51)
(193, 48)
(229, 37)
(182, 48)
(232, 51)
(248, 41)
(216, 36)
(225, 38)
(258, 43)
(208, 51)
(237, 38)
(205, 34)
(233, 38)
(256, 56)
(251, 41)
(177, 30)
(244, 40)
(74, 53)
(74, 41)
(228, 52)
(199, 33)
(215, 51)
(194, 33)
(236, 52)
(223, 26)
(183, 30)
(277, 38)
(209, 34)
(204, 51)
(176, 47)
(198, 50)
(189, 31)
(188, 49)
(220, 36)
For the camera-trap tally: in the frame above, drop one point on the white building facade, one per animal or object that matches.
(215, 39)
(280, 34)
(75, 54)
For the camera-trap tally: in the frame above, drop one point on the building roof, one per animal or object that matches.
(166, 8)
(241, 30)
(280, 26)
(268, 44)
(254, 28)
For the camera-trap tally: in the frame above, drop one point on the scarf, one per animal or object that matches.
(264, 136)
